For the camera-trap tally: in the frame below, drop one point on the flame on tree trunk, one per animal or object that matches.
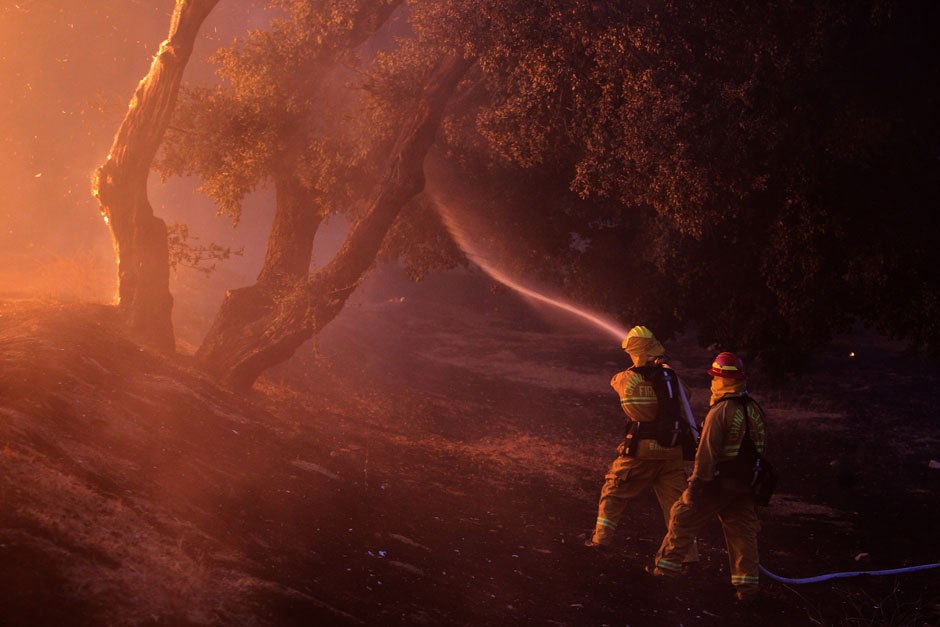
(262, 325)
(120, 183)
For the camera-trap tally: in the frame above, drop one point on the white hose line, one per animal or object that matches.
(818, 578)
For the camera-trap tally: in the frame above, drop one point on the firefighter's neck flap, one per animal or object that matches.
(722, 387)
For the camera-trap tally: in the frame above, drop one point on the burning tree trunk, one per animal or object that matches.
(121, 182)
(262, 325)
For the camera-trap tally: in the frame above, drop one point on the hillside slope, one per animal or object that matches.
(423, 464)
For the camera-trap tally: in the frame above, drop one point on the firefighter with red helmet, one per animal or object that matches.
(716, 487)
(659, 430)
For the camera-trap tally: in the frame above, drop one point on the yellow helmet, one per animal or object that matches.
(642, 345)
(637, 332)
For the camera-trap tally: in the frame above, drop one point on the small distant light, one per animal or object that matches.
(852, 354)
(38, 175)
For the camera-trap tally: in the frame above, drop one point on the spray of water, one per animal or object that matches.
(473, 252)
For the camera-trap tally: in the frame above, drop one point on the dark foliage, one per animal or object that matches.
(763, 172)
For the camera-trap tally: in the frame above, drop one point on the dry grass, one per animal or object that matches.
(234, 526)
(128, 556)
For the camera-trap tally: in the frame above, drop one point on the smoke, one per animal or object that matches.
(67, 71)
(481, 245)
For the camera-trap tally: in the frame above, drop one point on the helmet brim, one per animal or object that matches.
(715, 372)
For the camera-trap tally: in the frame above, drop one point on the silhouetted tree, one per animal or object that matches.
(256, 328)
(760, 171)
(277, 119)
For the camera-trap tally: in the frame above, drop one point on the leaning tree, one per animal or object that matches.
(279, 119)
(120, 183)
(711, 170)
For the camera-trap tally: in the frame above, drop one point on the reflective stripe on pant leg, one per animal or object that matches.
(626, 478)
(739, 580)
(667, 565)
(740, 525)
(684, 525)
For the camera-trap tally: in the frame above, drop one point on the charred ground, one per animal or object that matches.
(426, 463)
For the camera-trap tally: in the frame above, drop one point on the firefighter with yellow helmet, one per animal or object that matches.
(660, 428)
(717, 487)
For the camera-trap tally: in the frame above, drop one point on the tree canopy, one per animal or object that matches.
(761, 172)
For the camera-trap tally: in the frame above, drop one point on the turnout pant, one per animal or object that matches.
(626, 478)
(736, 511)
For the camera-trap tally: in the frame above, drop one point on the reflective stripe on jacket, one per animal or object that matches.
(638, 401)
(723, 433)
(637, 397)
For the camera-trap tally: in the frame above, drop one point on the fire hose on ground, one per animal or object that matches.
(818, 578)
(687, 412)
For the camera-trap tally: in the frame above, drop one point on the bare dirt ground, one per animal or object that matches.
(430, 461)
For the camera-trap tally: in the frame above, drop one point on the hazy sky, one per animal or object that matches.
(68, 69)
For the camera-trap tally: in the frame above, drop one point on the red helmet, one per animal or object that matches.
(729, 366)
